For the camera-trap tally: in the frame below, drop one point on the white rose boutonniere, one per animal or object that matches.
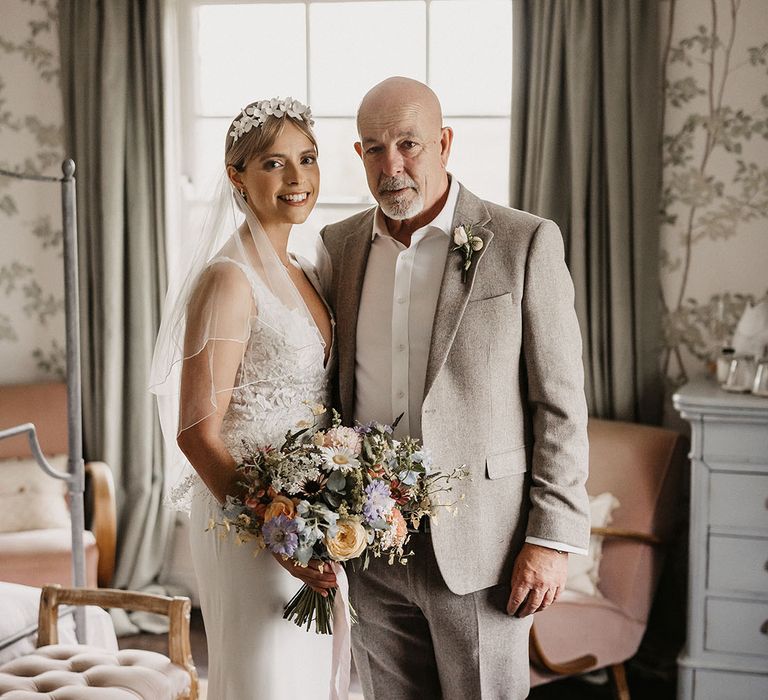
(467, 244)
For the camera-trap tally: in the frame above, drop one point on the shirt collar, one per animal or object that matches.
(442, 221)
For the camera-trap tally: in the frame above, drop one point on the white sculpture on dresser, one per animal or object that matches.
(751, 334)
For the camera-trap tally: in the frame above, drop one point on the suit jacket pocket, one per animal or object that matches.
(506, 463)
(503, 298)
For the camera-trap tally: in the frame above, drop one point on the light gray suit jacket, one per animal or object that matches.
(504, 387)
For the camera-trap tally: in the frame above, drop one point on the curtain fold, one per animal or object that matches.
(585, 152)
(113, 107)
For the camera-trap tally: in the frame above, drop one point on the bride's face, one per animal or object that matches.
(282, 184)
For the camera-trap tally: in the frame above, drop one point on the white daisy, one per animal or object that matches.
(339, 458)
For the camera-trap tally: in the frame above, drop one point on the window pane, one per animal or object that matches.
(210, 135)
(342, 177)
(244, 56)
(480, 156)
(470, 56)
(355, 45)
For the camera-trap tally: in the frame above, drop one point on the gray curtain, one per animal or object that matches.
(112, 87)
(585, 152)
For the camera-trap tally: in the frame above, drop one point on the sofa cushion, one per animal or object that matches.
(30, 499)
(38, 557)
(62, 672)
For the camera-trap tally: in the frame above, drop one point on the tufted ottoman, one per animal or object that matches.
(71, 672)
(78, 672)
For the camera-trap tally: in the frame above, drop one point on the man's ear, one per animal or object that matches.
(446, 139)
(359, 149)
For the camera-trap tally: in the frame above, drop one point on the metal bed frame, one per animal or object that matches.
(75, 474)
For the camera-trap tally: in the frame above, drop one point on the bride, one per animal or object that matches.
(243, 350)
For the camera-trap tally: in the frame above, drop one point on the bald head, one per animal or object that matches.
(404, 147)
(396, 99)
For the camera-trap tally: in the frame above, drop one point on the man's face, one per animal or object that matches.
(404, 155)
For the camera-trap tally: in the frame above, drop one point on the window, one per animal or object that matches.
(328, 54)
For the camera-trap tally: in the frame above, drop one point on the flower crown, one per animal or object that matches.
(256, 114)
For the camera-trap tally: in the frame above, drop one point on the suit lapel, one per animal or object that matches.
(454, 294)
(351, 273)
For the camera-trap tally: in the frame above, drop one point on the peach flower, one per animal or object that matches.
(281, 505)
(350, 540)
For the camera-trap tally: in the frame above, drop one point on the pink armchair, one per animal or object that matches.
(641, 466)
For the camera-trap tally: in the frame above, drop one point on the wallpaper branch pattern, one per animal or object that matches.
(715, 188)
(32, 346)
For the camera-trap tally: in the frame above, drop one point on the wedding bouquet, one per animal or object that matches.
(334, 495)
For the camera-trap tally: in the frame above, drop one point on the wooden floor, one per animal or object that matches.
(643, 686)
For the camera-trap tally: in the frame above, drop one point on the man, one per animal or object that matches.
(479, 349)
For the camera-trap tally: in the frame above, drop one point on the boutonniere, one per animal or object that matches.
(467, 243)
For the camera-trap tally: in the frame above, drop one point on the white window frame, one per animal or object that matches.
(188, 84)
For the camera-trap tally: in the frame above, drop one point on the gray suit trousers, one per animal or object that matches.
(416, 640)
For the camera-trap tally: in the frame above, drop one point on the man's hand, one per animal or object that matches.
(537, 578)
(317, 575)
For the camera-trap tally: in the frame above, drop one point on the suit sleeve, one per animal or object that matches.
(555, 376)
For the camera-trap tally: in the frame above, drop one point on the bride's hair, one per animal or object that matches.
(238, 152)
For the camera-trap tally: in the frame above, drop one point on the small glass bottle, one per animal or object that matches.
(723, 364)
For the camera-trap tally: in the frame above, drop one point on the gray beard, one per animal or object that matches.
(399, 210)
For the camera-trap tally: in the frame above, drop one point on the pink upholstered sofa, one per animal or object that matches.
(38, 557)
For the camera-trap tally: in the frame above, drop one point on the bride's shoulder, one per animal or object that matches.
(226, 273)
(222, 281)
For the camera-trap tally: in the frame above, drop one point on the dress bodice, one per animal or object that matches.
(281, 372)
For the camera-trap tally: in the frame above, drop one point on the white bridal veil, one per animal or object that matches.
(213, 310)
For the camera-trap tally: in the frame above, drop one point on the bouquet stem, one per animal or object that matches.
(308, 606)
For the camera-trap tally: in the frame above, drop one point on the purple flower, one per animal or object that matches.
(281, 535)
(365, 428)
(378, 501)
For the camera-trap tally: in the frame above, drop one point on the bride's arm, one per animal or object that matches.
(218, 327)
(201, 443)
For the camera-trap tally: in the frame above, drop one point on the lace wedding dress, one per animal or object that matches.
(253, 653)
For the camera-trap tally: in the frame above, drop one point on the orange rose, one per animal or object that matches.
(281, 505)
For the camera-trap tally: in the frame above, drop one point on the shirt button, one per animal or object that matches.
(401, 347)
(401, 300)
(400, 394)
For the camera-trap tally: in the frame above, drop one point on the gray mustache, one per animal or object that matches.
(390, 184)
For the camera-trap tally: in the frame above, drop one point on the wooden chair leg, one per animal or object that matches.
(619, 678)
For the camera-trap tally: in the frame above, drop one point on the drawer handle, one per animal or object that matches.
(764, 627)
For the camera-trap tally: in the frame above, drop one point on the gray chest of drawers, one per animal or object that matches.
(726, 655)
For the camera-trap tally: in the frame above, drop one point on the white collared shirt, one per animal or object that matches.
(394, 324)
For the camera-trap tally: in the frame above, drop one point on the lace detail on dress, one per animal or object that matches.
(281, 371)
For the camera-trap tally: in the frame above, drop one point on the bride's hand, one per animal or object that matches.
(318, 580)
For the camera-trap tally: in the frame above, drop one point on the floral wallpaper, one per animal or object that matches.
(32, 343)
(714, 236)
(714, 252)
